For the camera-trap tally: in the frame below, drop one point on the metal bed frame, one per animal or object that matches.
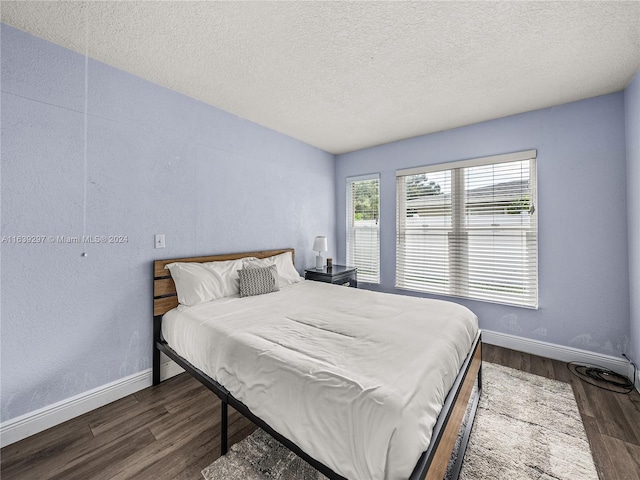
(433, 462)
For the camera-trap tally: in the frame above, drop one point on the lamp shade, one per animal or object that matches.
(320, 244)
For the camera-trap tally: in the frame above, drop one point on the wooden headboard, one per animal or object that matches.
(164, 290)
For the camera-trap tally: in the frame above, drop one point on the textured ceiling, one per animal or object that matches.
(347, 75)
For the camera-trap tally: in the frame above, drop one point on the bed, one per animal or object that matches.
(303, 363)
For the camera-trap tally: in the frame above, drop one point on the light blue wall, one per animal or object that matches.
(632, 111)
(156, 162)
(583, 273)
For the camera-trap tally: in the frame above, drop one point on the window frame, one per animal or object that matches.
(363, 275)
(455, 276)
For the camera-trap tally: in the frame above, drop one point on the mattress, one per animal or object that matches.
(355, 378)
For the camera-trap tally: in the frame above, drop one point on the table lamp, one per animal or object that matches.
(320, 245)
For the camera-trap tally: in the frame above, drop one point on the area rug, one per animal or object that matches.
(526, 427)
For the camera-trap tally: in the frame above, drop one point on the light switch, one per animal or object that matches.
(160, 240)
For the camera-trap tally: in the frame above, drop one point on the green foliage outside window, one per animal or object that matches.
(366, 196)
(520, 205)
(420, 186)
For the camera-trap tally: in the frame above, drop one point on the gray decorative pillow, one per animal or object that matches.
(256, 281)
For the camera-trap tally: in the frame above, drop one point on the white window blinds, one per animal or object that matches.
(469, 229)
(363, 230)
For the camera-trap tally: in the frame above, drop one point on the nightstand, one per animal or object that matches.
(338, 275)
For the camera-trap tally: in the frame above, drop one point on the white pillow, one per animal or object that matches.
(287, 273)
(202, 282)
(228, 272)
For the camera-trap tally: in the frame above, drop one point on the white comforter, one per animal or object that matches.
(355, 378)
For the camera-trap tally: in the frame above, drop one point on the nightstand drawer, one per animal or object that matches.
(349, 280)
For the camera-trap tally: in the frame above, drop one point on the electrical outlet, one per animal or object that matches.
(159, 238)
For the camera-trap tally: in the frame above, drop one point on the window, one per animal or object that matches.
(363, 230)
(469, 229)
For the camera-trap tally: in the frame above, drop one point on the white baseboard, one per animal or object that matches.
(558, 352)
(31, 423)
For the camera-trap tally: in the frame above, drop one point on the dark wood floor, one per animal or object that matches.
(171, 431)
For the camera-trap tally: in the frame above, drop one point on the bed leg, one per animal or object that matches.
(223, 429)
(156, 364)
(157, 322)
